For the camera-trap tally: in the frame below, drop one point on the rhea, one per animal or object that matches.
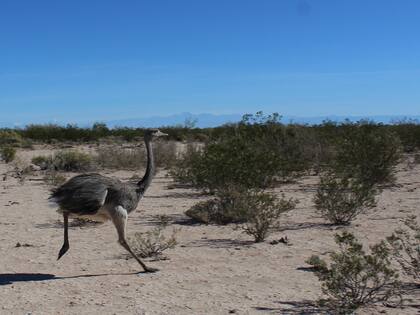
(104, 198)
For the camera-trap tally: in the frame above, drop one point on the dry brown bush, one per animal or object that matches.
(153, 243)
(120, 158)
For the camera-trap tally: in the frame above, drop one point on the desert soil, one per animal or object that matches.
(212, 270)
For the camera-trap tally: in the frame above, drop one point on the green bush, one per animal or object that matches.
(341, 199)
(256, 211)
(229, 206)
(354, 278)
(317, 264)
(263, 211)
(368, 152)
(185, 169)
(409, 133)
(256, 153)
(8, 154)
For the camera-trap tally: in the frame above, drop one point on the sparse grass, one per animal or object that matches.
(153, 243)
(165, 153)
(405, 247)
(355, 279)
(121, 158)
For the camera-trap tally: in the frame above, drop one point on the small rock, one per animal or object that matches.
(283, 240)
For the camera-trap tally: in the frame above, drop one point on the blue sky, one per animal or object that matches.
(78, 61)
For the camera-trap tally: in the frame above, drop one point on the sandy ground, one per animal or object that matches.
(213, 269)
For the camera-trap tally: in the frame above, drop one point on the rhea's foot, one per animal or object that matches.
(150, 270)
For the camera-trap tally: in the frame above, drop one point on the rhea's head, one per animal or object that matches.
(153, 133)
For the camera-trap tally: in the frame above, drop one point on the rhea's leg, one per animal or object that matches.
(65, 246)
(119, 218)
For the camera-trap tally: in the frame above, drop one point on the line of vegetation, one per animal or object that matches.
(408, 131)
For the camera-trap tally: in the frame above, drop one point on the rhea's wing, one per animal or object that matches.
(82, 194)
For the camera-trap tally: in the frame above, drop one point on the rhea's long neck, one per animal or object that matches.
(144, 183)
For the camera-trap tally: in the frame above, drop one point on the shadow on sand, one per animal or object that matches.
(220, 243)
(10, 278)
(153, 220)
(307, 225)
(295, 308)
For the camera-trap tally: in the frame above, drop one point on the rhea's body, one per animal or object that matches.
(104, 198)
(98, 194)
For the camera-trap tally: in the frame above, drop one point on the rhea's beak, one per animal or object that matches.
(161, 134)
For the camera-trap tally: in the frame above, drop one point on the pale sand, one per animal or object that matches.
(213, 269)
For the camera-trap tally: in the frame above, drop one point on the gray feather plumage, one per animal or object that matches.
(85, 194)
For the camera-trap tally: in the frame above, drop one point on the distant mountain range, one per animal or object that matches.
(199, 120)
(212, 120)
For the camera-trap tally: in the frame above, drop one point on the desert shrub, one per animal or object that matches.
(229, 206)
(405, 247)
(354, 278)
(72, 161)
(256, 211)
(154, 242)
(54, 179)
(317, 264)
(368, 152)
(263, 211)
(44, 162)
(8, 154)
(68, 161)
(130, 158)
(100, 130)
(121, 158)
(186, 168)
(341, 199)
(408, 131)
(10, 138)
(165, 153)
(255, 153)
